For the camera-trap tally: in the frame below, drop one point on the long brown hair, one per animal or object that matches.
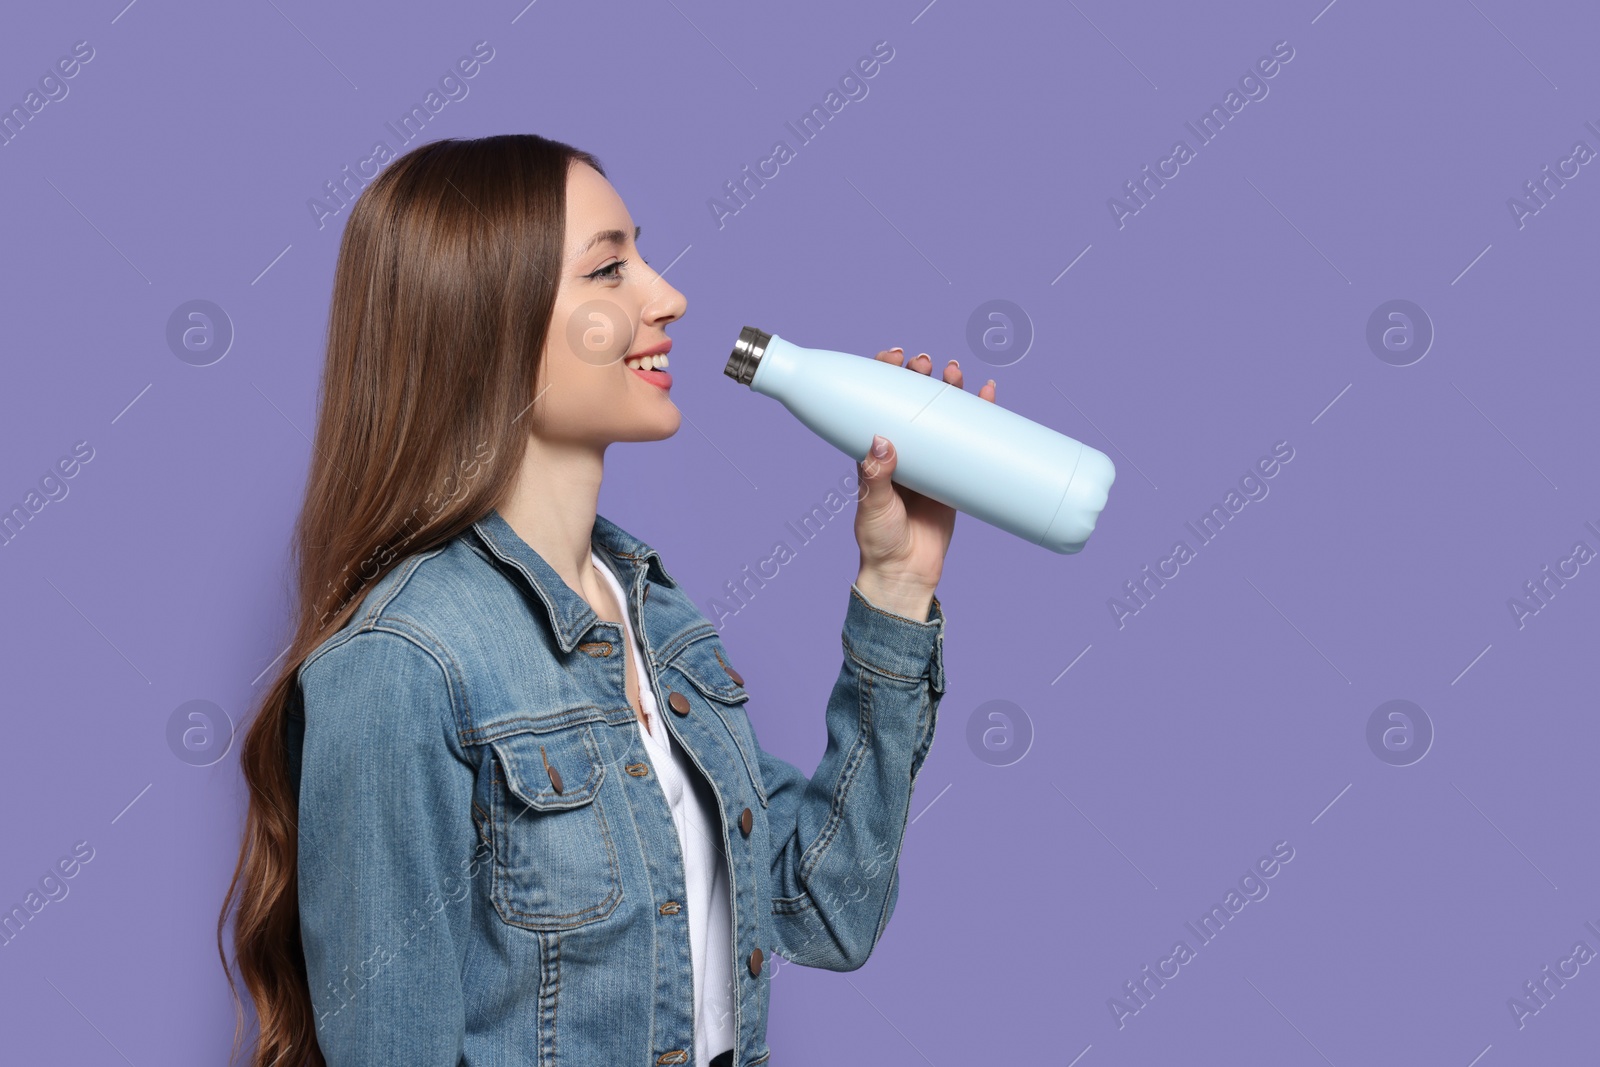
(442, 297)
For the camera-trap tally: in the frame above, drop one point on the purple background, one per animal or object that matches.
(1229, 314)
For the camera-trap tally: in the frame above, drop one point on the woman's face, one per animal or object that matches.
(611, 308)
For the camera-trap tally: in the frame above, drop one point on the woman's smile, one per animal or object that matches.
(651, 365)
(658, 378)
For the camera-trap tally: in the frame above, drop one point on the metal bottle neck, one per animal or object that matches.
(747, 352)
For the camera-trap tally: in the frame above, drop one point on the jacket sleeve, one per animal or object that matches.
(837, 835)
(386, 853)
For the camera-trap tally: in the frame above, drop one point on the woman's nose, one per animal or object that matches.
(665, 305)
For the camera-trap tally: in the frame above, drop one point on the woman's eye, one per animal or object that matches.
(609, 272)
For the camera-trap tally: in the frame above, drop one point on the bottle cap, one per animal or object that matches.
(747, 352)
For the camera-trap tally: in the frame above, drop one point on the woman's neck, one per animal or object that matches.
(552, 506)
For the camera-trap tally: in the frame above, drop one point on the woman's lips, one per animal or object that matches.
(659, 378)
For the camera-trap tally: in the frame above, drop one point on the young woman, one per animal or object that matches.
(505, 803)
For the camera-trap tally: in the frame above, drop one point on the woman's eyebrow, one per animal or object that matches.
(614, 237)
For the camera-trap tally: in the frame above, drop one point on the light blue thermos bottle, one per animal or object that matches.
(955, 447)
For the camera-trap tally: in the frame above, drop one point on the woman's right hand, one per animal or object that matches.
(903, 535)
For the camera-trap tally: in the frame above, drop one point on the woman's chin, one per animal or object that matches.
(656, 427)
(670, 425)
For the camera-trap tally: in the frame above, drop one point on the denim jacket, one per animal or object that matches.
(489, 874)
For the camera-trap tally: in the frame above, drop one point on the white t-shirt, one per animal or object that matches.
(694, 810)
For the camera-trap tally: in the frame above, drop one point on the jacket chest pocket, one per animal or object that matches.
(556, 863)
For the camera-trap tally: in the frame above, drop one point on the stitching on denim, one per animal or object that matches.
(455, 679)
(793, 905)
(558, 623)
(482, 820)
(752, 762)
(852, 765)
(450, 682)
(600, 910)
(927, 725)
(936, 624)
(894, 866)
(455, 665)
(590, 784)
(553, 721)
(475, 546)
(645, 555)
(718, 704)
(500, 844)
(505, 901)
(899, 618)
(876, 668)
(611, 847)
(680, 641)
(374, 615)
(406, 571)
(360, 625)
(550, 982)
(738, 696)
(650, 890)
(888, 895)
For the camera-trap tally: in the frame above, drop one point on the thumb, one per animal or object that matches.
(876, 470)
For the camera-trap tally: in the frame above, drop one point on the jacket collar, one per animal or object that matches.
(570, 615)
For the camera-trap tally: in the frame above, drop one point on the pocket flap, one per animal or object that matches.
(705, 664)
(554, 770)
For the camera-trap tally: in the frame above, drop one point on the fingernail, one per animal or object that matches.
(880, 446)
(991, 381)
(897, 348)
(955, 362)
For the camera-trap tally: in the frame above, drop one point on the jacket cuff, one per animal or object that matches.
(892, 644)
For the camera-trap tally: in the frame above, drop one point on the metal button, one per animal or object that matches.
(638, 770)
(735, 675)
(745, 821)
(679, 702)
(755, 962)
(555, 775)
